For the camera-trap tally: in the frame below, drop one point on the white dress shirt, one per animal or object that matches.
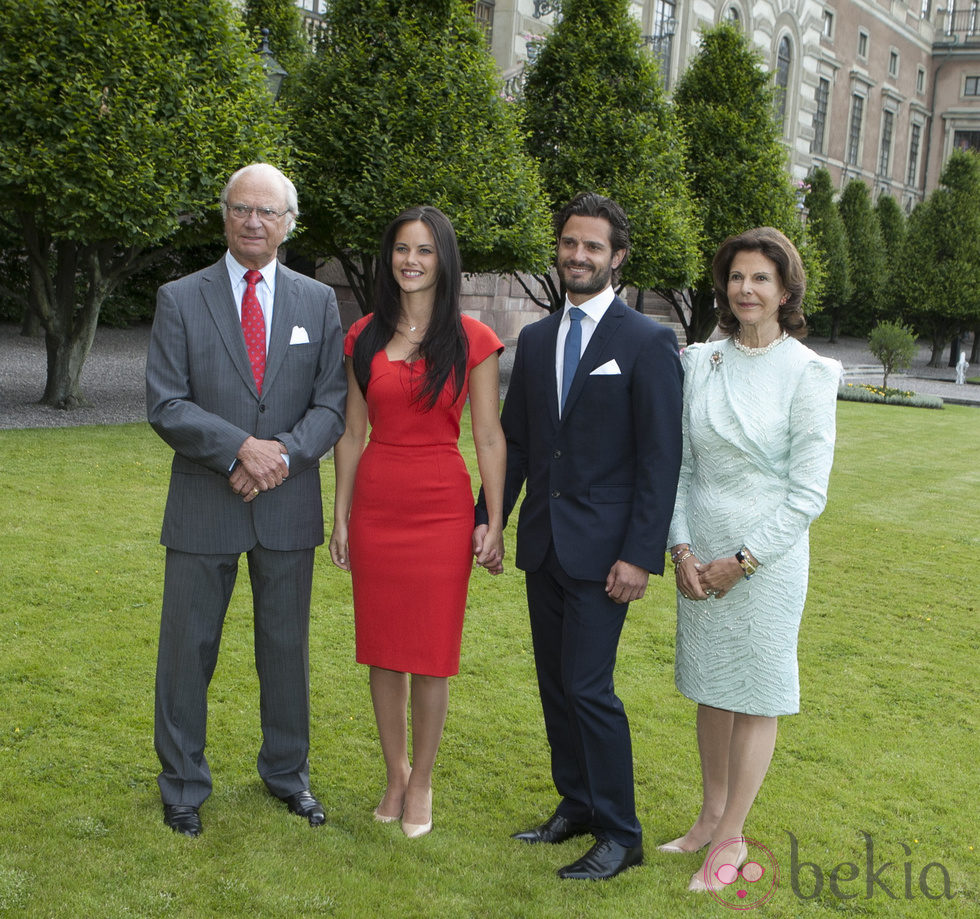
(594, 310)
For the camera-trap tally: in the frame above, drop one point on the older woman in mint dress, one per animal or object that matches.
(759, 427)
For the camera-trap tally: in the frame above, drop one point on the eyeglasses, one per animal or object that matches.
(267, 214)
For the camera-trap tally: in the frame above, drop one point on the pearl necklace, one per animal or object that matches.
(755, 352)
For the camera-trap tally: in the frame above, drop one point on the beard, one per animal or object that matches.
(593, 283)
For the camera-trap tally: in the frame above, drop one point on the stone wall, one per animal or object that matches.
(495, 299)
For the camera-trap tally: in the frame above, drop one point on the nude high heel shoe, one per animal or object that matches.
(698, 883)
(414, 830)
(672, 848)
(385, 818)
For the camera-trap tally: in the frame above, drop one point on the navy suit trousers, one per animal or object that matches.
(575, 628)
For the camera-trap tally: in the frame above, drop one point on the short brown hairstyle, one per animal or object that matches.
(778, 249)
(590, 204)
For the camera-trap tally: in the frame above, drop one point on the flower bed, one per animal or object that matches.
(868, 392)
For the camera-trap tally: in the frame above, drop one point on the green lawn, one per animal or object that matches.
(886, 743)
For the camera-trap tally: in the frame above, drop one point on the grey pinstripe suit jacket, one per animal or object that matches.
(201, 399)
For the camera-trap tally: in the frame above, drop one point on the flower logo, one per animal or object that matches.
(745, 885)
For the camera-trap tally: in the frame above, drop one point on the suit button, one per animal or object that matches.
(556, 454)
(556, 494)
(262, 407)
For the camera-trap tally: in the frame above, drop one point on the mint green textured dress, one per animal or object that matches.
(759, 434)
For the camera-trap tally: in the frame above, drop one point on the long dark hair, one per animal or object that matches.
(775, 246)
(443, 347)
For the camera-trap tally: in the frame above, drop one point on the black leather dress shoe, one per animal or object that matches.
(303, 804)
(555, 829)
(183, 818)
(604, 860)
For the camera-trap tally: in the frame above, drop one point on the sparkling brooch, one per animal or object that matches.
(716, 360)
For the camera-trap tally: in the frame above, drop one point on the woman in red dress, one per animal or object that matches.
(403, 510)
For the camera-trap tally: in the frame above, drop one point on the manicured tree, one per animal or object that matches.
(869, 265)
(597, 120)
(287, 40)
(121, 120)
(401, 107)
(736, 162)
(891, 220)
(826, 230)
(894, 345)
(941, 289)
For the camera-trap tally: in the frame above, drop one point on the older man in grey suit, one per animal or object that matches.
(245, 381)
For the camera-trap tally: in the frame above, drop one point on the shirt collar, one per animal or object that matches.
(236, 270)
(595, 307)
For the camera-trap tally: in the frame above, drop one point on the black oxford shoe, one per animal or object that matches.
(183, 818)
(604, 860)
(555, 829)
(303, 804)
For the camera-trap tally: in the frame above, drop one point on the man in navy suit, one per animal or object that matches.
(593, 424)
(245, 381)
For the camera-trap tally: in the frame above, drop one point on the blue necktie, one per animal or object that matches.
(573, 351)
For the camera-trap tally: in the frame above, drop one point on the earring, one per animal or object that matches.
(783, 301)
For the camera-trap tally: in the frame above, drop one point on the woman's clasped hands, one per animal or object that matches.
(699, 581)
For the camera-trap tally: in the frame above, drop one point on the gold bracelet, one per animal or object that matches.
(675, 556)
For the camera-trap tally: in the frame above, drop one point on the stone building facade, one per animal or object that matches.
(880, 90)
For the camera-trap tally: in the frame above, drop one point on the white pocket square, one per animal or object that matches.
(608, 369)
(299, 336)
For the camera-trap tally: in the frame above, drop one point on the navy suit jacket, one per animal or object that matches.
(601, 480)
(201, 399)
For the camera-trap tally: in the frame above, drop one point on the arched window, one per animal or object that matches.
(734, 15)
(783, 59)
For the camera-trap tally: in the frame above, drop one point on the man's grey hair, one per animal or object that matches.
(270, 171)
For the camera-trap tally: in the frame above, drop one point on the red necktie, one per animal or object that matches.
(253, 325)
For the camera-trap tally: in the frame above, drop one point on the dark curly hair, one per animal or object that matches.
(778, 249)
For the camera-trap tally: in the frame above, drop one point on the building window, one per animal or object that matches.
(483, 14)
(734, 15)
(920, 80)
(820, 115)
(863, 44)
(966, 140)
(885, 154)
(854, 134)
(972, 86)
(914, 139)
(662, 39)
(828, 24)
(893, 63)
(784, 58)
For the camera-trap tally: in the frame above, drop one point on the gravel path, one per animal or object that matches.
(112, 379)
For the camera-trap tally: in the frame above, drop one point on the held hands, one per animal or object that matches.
(488, 548)
(260, 467)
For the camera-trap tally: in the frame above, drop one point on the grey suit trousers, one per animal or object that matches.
(197, 590)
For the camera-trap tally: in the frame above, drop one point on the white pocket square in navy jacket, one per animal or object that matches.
(608, 369)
